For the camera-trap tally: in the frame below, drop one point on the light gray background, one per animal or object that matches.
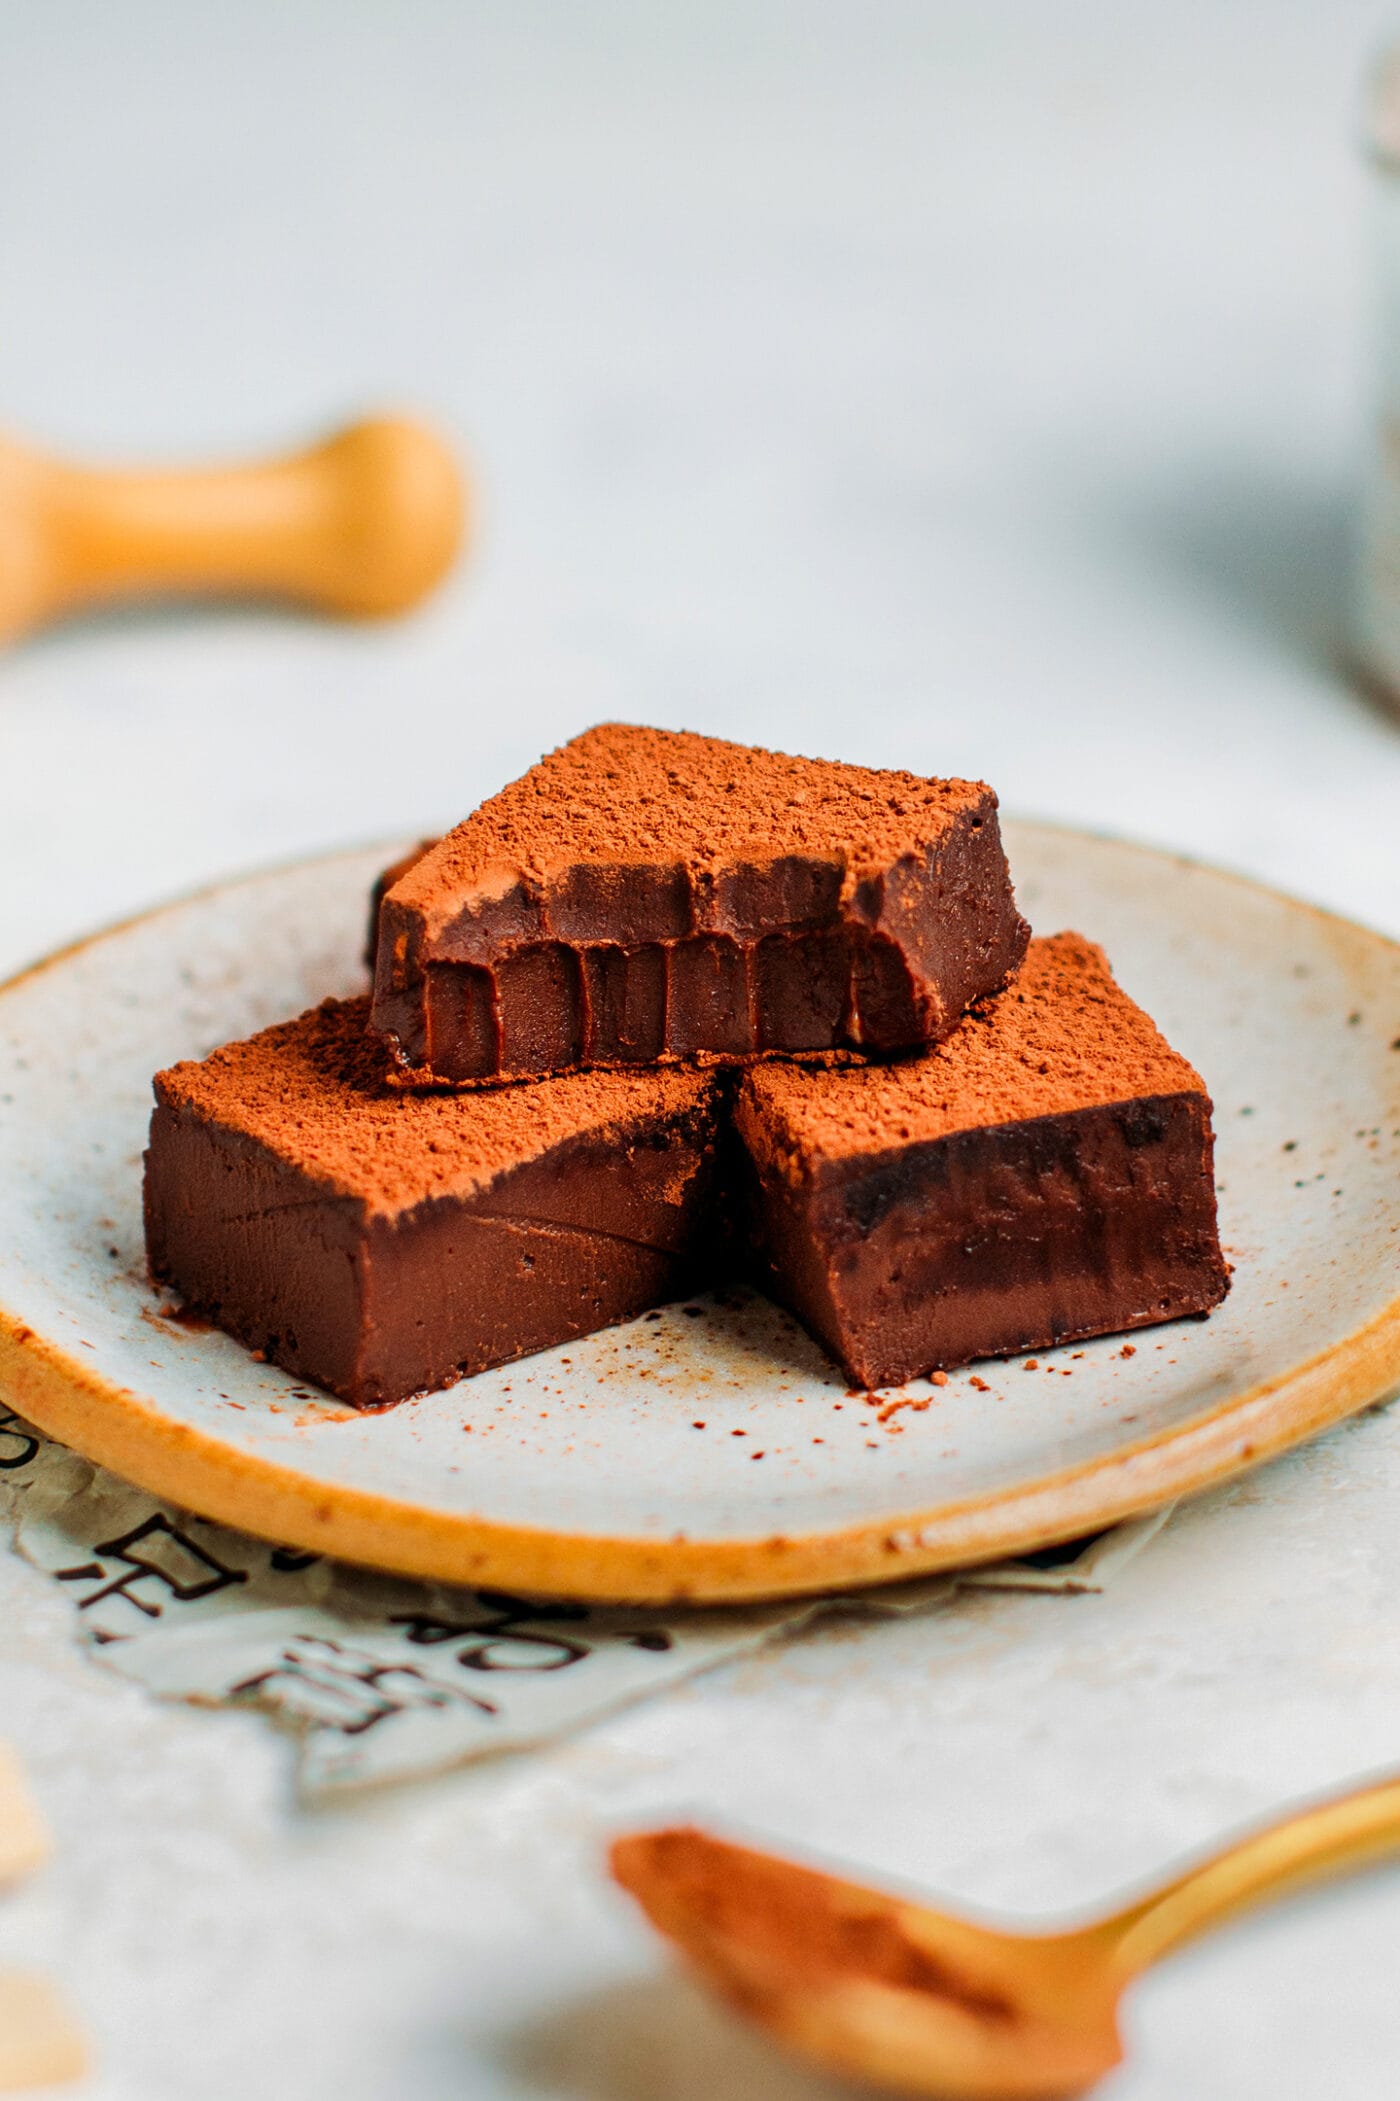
(973, 387)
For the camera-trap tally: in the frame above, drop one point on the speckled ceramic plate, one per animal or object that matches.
(709, 1450)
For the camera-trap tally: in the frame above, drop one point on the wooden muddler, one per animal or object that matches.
(362, 525)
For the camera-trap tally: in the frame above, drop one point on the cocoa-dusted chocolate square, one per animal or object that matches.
(649, 895)
(1042, 1176)
(383, 1242)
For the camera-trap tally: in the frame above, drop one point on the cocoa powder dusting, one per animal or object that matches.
(1062, 1037)
(621, 793)
(314, 1091)
(803, 1920)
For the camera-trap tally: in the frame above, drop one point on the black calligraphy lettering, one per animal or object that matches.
(515, 1649)
(506, 1640)
(513, 1608)
(350, 1689)
(17, 1446)
(424, 1631)
(288, 1560)
(157, 1551)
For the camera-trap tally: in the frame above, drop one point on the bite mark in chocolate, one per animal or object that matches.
(646, 895)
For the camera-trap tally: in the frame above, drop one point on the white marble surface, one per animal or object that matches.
(970, 386)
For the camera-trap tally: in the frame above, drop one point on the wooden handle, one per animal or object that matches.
(1330, 1838)
(362, 525)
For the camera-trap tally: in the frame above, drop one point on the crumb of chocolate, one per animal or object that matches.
(916, 1404)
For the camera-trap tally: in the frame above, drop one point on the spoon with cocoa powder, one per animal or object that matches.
(880, 1988)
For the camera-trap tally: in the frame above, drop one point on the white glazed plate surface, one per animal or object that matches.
(585, 1470)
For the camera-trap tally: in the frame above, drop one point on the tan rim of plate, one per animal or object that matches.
(116, 1428)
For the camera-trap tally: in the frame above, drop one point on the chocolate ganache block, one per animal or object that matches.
(379, 890)
(381, 1241)
(643, 895)
(1044, 1175)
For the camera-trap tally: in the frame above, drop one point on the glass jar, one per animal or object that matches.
(1376, 608)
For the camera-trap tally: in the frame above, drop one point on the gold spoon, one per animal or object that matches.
(875, 1987)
